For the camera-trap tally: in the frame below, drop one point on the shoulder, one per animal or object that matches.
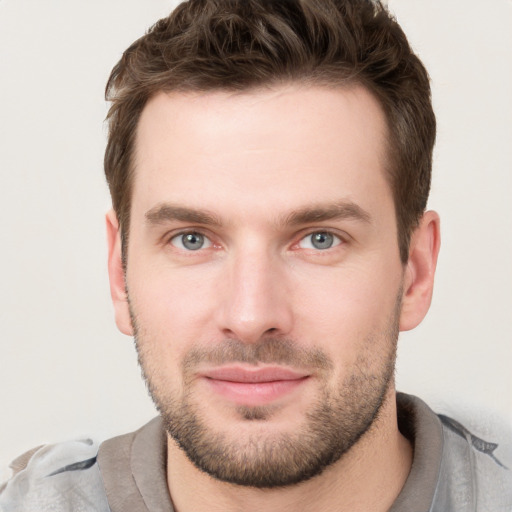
(455, 468)
(474, 469)
(61, 477)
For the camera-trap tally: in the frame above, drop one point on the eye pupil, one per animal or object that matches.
(322, 240)
(193, 241)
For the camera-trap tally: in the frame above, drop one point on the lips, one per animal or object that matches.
(253, 386)
(253, 375)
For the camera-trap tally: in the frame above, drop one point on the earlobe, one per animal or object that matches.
(116, 275)
(419, 274)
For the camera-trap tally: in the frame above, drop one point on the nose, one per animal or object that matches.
(255, 300)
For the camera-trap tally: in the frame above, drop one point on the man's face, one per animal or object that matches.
(263, 276)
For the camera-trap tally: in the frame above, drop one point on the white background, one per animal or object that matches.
(64, 369)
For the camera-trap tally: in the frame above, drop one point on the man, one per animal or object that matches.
(269, 165)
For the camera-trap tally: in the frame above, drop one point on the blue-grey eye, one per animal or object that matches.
(190, 241)
(320, 240)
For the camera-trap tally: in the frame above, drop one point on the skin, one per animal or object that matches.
(294, 149)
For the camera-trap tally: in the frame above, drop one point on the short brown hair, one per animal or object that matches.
(238, 45)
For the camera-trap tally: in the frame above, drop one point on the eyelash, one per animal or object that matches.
(182, 234)
(338, 239)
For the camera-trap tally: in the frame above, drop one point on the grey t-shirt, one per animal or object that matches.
(452, 471)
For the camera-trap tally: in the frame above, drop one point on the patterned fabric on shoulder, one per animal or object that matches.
(62, 477)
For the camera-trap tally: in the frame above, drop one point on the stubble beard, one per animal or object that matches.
(334, 423)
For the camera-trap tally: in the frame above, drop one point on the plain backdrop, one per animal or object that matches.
(66, 372)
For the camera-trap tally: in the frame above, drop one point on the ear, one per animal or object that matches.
(420, 270)
(116, 275)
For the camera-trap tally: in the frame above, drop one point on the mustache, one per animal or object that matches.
(273, 350)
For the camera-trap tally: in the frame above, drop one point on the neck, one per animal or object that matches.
(368, 477)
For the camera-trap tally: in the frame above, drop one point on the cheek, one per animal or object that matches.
(172, 307)
(347, 298)
(350, 315)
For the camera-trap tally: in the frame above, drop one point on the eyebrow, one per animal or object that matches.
(168, 212)
(319, 213)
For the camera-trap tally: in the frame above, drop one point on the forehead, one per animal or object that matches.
(289, 146)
